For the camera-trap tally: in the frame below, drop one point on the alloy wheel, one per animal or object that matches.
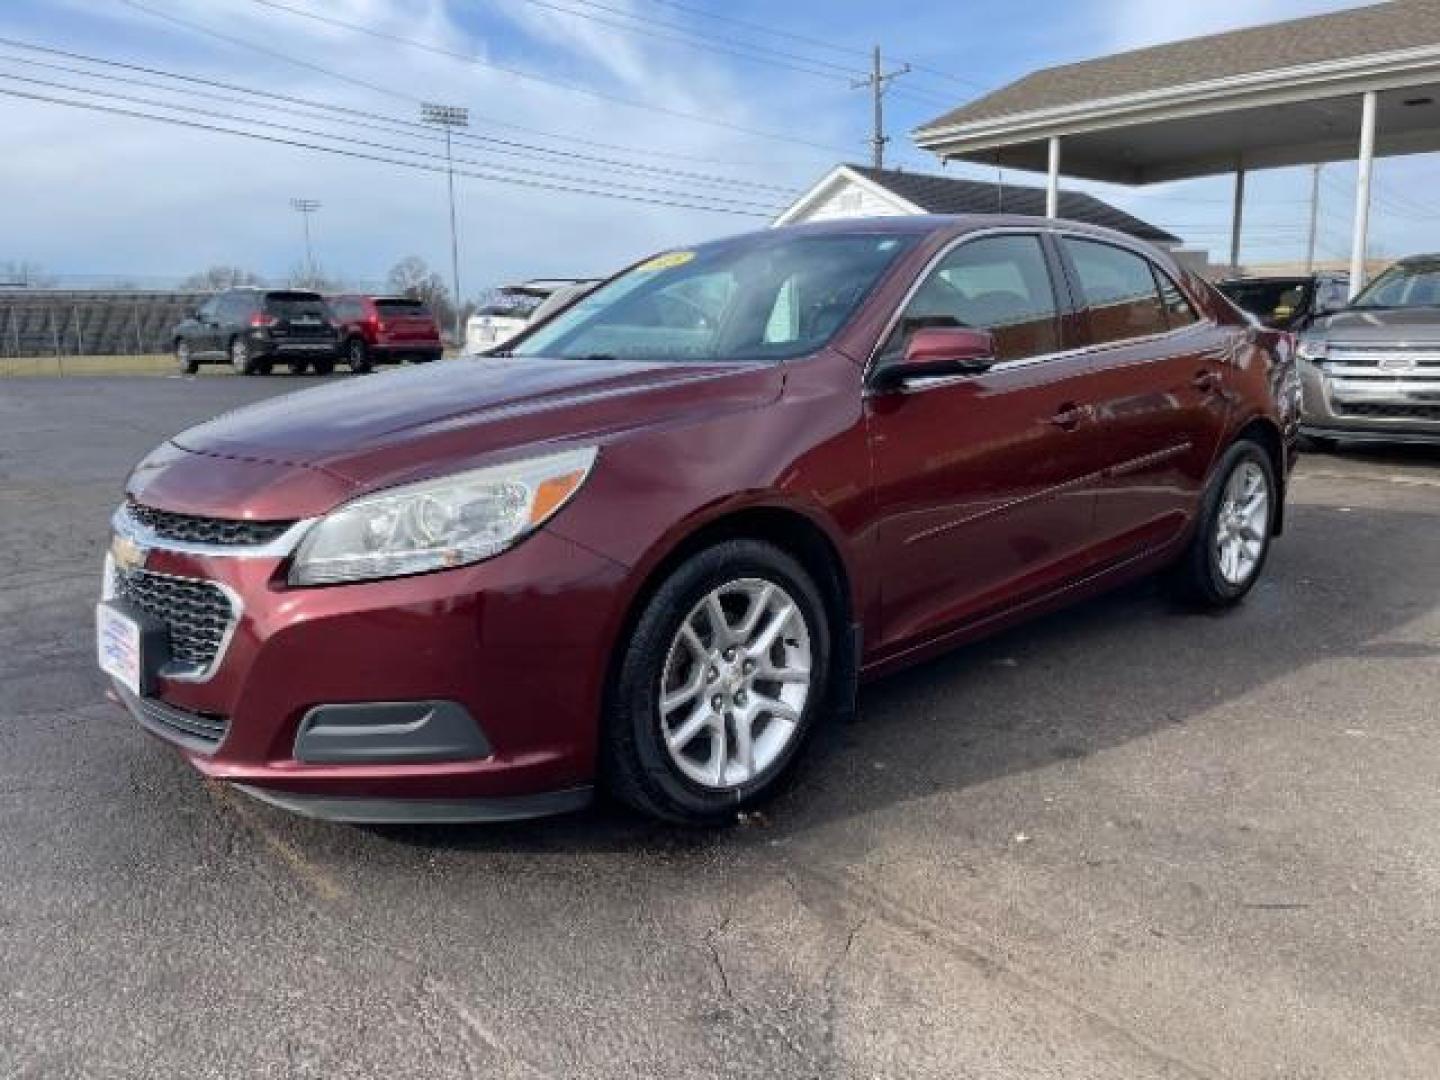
(1242, 524)
(240, 357)
(735, 683)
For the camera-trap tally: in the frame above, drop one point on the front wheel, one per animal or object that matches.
(1232, 537)
(185, 359)
(719, 687)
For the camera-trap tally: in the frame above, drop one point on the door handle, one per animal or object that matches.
(1070, 416)
(1206, 381)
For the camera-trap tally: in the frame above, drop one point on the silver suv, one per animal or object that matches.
(1371, 371)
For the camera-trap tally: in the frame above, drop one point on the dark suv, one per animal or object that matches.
(254, 329)
(385, 329)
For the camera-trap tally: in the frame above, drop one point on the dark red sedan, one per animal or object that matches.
(667, 533)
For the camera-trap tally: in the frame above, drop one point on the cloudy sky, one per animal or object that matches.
(656, 100)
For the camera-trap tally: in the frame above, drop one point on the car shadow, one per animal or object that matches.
(1054, 691)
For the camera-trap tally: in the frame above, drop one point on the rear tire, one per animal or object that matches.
(241, 359)
(185, 359)
(707, 718)
(1232, 538)
(358, 357)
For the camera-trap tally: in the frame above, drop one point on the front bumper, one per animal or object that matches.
(519, 643)
(1370, 404)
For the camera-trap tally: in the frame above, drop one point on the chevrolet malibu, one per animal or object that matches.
(666, 534)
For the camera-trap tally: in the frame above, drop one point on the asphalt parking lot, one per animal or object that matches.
(1121, 842)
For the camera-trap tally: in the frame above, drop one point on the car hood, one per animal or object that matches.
(1383, 326)
(389, 428)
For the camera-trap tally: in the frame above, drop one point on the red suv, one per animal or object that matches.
(665, 535)
(385, 329)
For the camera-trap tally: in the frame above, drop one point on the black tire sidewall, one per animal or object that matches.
(637, 764)
(1207, 583)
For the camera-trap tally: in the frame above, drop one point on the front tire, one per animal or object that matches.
(719, 687)
(1232, 538)
(185, 359)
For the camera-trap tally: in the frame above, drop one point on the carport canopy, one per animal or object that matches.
(1351, 85)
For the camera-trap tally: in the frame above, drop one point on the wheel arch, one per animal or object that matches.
(1266, 433)
(798, 535)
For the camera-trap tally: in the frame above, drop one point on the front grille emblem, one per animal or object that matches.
(129, 555)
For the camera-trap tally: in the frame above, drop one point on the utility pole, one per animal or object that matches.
(877, 83)
(450, 117)
(1314, 217)
(306, 207)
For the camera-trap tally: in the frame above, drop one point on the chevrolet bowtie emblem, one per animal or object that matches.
(128, 554)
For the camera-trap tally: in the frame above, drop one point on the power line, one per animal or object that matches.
(497, 177)
(807, 65)
(367, 119)
(815, 42)
(367, 143)
(520, 73)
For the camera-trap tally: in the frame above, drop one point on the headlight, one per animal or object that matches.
(438, 524)
(1314, 349)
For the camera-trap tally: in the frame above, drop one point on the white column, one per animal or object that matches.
(1237, 217)
(1360, 242)
(1052, 190)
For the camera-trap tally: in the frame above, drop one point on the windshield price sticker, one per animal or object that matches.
(668, 261)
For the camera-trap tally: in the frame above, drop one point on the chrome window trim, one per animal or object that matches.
(1202, 321)
(282, 546)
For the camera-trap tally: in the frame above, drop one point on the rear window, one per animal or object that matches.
(402, 309)
(288, 305)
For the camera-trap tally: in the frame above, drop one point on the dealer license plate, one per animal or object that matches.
(117, 641)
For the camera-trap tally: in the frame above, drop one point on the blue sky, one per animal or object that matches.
(90, 193)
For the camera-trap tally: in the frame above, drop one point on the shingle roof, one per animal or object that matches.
(953, 195)
(1364, 31)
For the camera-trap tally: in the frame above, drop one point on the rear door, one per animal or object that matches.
(298, 318)
(1158, 393)
(983, 483)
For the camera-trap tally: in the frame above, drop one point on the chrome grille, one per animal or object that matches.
(191, 529)
(197, 613)
(1394, 410)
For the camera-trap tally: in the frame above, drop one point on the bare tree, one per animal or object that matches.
(219, 277)
(25, 272)
(412, 277)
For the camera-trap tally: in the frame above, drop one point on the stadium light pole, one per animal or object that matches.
(306, 207)
(450, 117)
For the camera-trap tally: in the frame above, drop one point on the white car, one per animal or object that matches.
(514, 307)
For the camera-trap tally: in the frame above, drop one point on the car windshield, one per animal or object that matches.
(762, 297)
(1404, 285)
(1268, 299)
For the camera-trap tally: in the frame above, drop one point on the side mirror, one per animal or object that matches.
(940, 352)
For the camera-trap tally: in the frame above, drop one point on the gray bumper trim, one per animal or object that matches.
(381, 732)
(1371, 435)
(367, 811)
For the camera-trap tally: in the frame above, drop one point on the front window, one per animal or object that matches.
(764, 297)
(1404, 285)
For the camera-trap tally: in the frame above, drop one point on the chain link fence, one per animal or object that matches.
(74, 323)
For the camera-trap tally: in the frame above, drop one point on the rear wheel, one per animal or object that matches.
(720, 685)
(358, 356)
(1232, 539)
(241, 359)
(185, 359)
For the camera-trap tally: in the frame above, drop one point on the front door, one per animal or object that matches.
(983, 483)
(1159, 395)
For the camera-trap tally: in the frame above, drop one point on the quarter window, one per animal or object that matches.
(1119, 291)
(997, 283)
